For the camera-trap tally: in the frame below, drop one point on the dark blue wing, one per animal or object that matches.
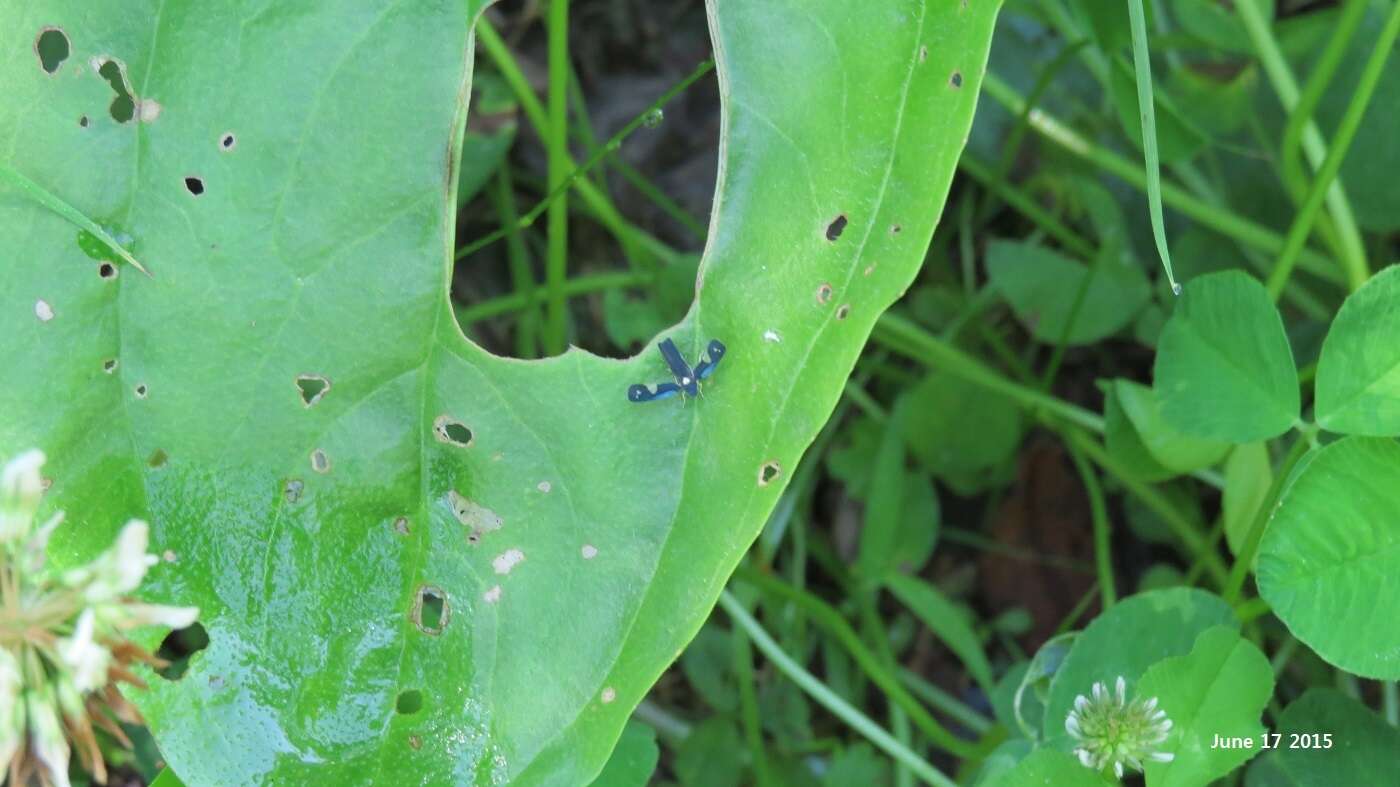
(707, 367)
(640, 393)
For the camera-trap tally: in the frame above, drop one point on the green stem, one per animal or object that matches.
(74, 216)
(1319, 79)
(637, 246)
(1142, 66)
(1353, 252)
(1025, 205)
(903, 336)
(827, 698)
(582, 285)
(1183, 528)
(1251, 610)
(1098, 513)
(830, 620)
(945, 702)
(561, 172)
(1244, 561)
(559, 190)
(522, 277)
(1346, 131)
(1222, 221)
(748, 705)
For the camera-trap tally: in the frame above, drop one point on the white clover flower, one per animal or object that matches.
(1112, 732)
(63, 638)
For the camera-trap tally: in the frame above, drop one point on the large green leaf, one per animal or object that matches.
(1358, 373)
(1131, 636)
(1215, 693)
(1059, 299)
(1224, 368)
(447, 567)
(1327, 562)
(1359, 747)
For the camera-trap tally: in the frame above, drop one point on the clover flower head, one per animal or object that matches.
(1111, 731)
(63, 637)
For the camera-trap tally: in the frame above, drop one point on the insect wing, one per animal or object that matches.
(640, 393)
(685, 376)
(707, 367)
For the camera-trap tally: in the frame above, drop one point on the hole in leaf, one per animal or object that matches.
(123, 107)
(923, 53)
(291, 492)
(320, 462)
(141, 391)
(401, 526)
(415, 742)
(409, 701)
(956, 79)
(452, 431)
(430, 610)
(158, 458)
(178, 647)
(227, 141)
(824, 293)
(109, 365)
(83, 121)
(768, 472)
(843, 311)
(194, 185)
(52, 48)
(107, 270)
(312, 387)
(835, 228)
(894, 229)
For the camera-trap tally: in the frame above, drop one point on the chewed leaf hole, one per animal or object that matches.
(178, 647)
(409, 701)
(83, 121)
(895, 228)
(401, 525)
(52, 48)
(158, 458)
(824, 293)
(956, 79)
(430, 610)
(320, 462)
(291, 491)
(194, 185)
(109, 365)
(227, 142)
(312, 387)
(141, 391)
(836, 227)
(478, 519)
(923, 53)
(768, 473)
(123, 107)
(451, 431)
(843, 311)
(107, 270)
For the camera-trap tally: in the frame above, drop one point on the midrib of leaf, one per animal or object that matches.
(1241, 373)
(1344, 402)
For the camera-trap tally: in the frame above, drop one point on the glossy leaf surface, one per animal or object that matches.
(419, 563)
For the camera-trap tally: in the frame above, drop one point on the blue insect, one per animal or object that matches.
(687, 379)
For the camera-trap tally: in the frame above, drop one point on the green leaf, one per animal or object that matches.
(1123, 441)
(1033, 691)
(884, 509)
(1177, 452)
(633, 760)
(710, 755)
(1327, 562)
(1042, 287)
(1216, 24)
(1215, 692)
(858, 764)
(707, 663)
(319, 247)
(1362, 746)
(1358, 374)
(1131, 636)
(958, 430)
(1050, 767)
(1224, 368)
(1248, 475)
(1003, 759)
(947, 622)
